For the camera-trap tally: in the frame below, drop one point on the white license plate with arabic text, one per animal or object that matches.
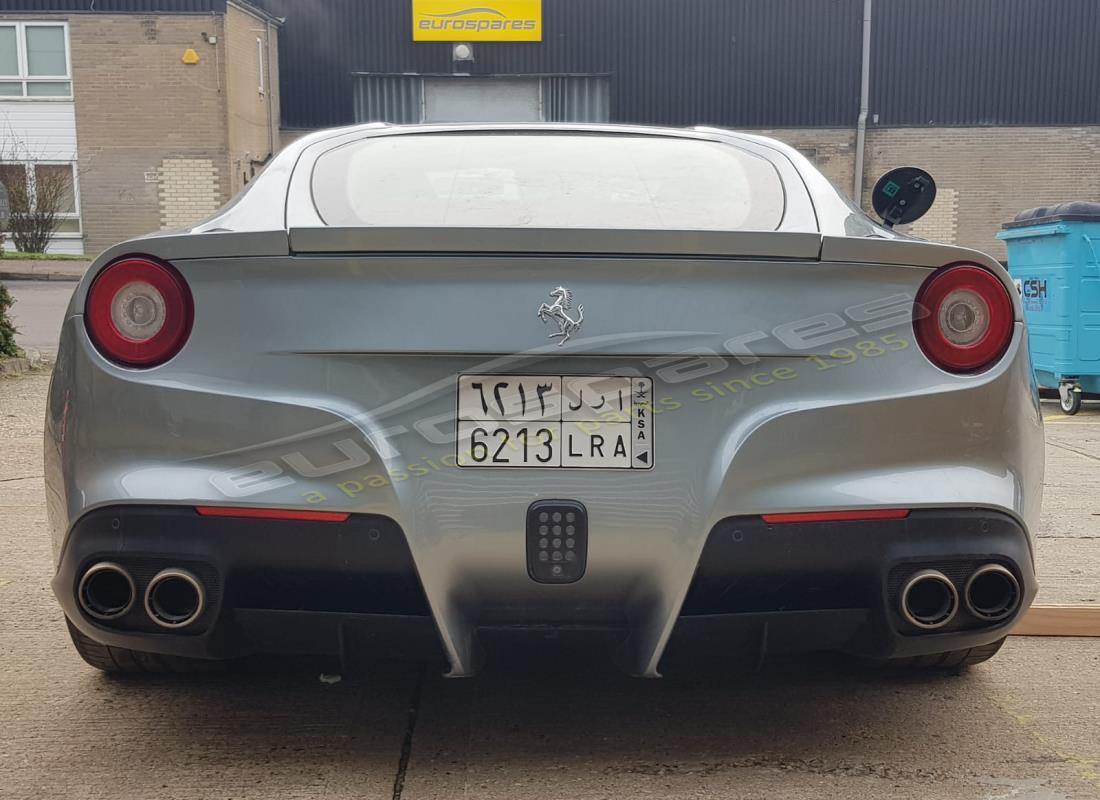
(565, 421)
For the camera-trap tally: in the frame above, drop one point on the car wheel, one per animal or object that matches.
(951, 661)
(123, 660)
(1071, 403)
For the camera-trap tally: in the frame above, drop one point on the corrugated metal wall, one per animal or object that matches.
(388, 98)
(400, 98)
(576, 98)
(751, 63)
(116, 6)
(986, 62)
(739, 63)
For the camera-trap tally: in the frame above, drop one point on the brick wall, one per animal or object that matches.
(253, 122)
(984, 176)
(987, 175)
(140, 113)
(941, 223)
(188, 189)
(832, 150)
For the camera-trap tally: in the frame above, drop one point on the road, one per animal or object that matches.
(38, 312)
(1026, 725)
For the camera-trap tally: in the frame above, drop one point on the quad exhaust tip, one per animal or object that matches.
(929, 600)
(992, 593)
(174, 598)
(106, 591)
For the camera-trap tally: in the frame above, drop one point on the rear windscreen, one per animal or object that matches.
(546, 181)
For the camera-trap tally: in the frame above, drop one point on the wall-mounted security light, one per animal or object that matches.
(462, 51)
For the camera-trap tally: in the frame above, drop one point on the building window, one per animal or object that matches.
(34, 60)
(41, 184)
(260, 63)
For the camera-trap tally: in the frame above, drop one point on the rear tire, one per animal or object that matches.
(121, 660)
(951, 661)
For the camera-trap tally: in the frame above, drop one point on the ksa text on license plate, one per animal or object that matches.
(567, 421)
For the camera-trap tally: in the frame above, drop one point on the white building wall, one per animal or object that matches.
(41, 130)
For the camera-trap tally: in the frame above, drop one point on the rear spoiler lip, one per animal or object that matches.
(793, 245)
(915, 253)
(900, 252)
(687, 244)
(772, 245)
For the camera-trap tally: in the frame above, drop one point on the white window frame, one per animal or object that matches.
(28, 167)
(21, 58)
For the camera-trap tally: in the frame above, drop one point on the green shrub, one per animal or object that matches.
(7, 329)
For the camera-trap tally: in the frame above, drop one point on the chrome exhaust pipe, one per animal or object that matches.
(106, 591)
(992, 593)
(174, 598)
(928, 600)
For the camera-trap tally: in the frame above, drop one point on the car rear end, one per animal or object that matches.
(384, 425)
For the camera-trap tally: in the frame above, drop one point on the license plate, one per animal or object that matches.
(564, 421)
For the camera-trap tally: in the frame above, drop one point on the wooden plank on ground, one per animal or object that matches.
(1054, 620)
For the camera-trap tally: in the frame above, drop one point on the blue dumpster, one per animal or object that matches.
(1053, 259)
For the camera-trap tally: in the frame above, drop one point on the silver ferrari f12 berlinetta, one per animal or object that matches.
(417, 386)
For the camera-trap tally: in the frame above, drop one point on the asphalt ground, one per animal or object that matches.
(547, 724)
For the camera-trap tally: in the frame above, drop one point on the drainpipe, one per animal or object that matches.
(271, 88)
(864, 104)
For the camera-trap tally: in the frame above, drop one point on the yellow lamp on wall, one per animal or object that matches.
(190, 56)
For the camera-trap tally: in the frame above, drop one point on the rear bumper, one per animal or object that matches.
(334, 587)
(271, 586)
(372, 434)
(836, 585)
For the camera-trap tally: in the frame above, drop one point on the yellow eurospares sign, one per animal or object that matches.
(477, 20)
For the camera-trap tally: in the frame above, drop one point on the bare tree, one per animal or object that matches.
(3, 217)
(34, 201)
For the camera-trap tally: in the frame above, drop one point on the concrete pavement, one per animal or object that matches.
(1068, 544)
(1026, 725)
(13, 268)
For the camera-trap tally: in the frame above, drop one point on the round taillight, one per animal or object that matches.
(963, 318)
(138, 312)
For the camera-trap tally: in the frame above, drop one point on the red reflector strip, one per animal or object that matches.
(838, 516)
(272, 513)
